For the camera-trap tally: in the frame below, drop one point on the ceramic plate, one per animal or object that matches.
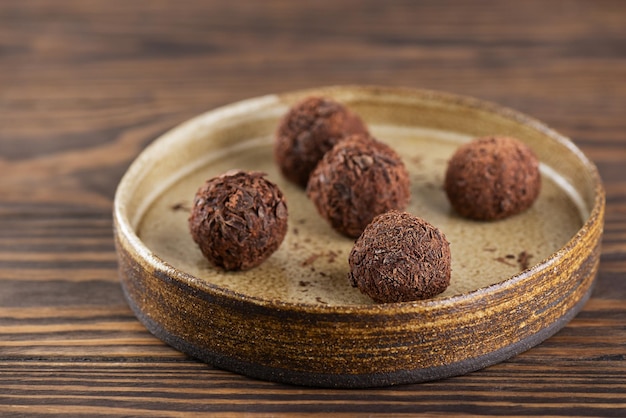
(295, 318)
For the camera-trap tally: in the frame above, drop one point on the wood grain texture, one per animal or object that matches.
(86, 85)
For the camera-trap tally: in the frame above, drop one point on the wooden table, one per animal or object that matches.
(86, 85)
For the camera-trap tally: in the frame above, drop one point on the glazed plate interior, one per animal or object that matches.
(308, 273)
(312, 263)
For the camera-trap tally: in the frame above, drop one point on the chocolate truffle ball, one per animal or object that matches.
(400, 258)
(492, 178)
(238, 219)
(356, 180)
(309, 130)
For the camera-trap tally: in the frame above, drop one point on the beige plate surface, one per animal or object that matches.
(296, 318)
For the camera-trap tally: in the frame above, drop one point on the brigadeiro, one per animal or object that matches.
(310, 129)
(492, 178)
(238, 219)
(400, 258)
(357, 179)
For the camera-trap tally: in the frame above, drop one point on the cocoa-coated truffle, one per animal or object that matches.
(356, 180)
(238, 219)
(492, 178)
(400, 258)
(310, 129)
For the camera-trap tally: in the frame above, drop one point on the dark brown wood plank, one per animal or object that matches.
(86, 85)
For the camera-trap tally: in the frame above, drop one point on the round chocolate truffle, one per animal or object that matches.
(238, 219)
(492, 178)
(309, 130)
(356, 180)
(400, 258)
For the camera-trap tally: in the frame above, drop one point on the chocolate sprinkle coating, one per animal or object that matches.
(309, 130)
(238, 219)
(355, 181)
(492, 178)
(400, 258)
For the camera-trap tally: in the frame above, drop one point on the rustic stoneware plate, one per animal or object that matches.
(296, 319)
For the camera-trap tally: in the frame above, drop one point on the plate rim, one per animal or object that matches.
(122, 223)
